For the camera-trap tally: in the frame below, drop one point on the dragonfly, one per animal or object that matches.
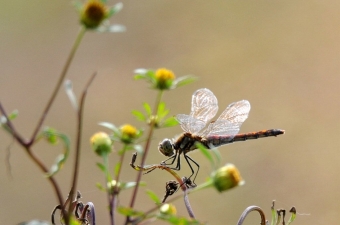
(223, 131)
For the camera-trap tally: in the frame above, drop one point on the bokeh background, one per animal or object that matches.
(282, 56)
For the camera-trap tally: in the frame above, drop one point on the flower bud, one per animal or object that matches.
(168, 209)
(92, 13)
(128, 133)
(164, 78)
(226, 178)
(113, 186)
(101, 143)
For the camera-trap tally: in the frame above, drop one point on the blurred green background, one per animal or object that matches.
(282, 56)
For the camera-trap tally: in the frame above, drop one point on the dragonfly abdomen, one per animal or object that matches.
(218, 140)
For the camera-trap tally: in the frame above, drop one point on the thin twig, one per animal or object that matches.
(78, 141)
(7, 160)
(10, 128)
(113, 201)
(45, 170)
(59, 83)
(250, 209)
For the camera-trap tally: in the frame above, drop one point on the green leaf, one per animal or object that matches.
(127, 211)
(139, 115)
(162, 112)
(206, 153)
(100, 187)
(217, 156)
(292, 216)
(177, 220)
(109, 126)
(170, 122)
(147, 108)
(153, 197)
(101, 167)
(3, 120)
(13, 115)
(274, 215)
(181, 81)
(50, 135)
(139, 76)
(117, 168)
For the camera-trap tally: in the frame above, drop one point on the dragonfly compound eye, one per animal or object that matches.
(166, 148)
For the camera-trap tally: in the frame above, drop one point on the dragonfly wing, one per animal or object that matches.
(203, 108)
(190, 124)
(230, 120)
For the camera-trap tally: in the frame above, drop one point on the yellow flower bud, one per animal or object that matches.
(128, 133)
(164, 78)
(93, 13)
(226, 178)
(101, 143)
(168, 209)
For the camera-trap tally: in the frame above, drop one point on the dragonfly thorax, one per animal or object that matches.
(166, 147)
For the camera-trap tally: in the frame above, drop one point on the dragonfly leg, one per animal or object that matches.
(173, 160)
(187, 158)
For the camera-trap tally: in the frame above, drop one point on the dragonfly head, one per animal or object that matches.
(166, 147)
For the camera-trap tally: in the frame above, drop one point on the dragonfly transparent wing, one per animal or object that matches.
(203, 108)
(230, 120)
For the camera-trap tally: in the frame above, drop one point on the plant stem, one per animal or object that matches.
(59, 83)
(10, 128)
(78, 141)
(50, 178)
(250, 209)
(108, 186)
(116, 188)
(146, 149)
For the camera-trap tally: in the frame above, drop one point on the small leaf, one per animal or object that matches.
(217, 155)
(170, 122)
(132, 184)
(110, 126)
(206, 153)
(128, 211)
(100, 187)
(117, 168)
(13, 115)
(153, 197)
(140, 71)
(139, 76)
(52, 137)
(101, 167)
(292, 216)
(147, 108)
(116, 28)
(162, 112)
(181, 81)
(172, 219)
(116, 8)
(139, 149)
(69, 91)
(139, 115)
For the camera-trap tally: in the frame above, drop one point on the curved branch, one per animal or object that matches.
(250, 209)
